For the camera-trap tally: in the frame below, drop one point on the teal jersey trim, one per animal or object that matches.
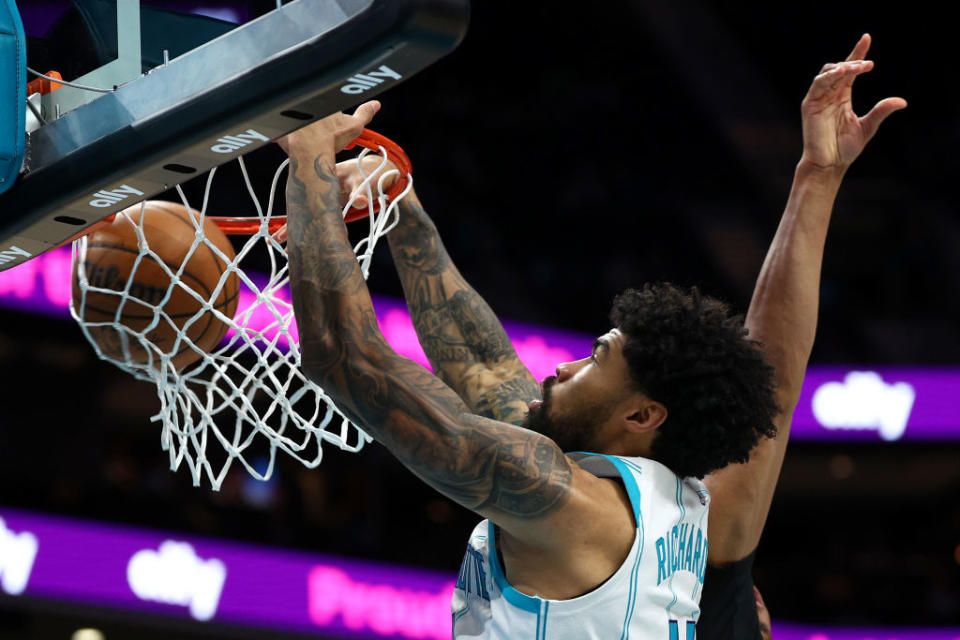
(542, 622)
(514, 597)
(633, 492)
(683, 512)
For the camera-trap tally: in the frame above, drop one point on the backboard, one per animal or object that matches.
(185, 92)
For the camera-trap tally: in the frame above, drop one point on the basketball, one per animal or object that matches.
(111, 263)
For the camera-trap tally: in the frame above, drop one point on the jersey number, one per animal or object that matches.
(675, 630)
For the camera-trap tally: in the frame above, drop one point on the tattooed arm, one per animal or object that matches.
(462, 337)
(519, 479)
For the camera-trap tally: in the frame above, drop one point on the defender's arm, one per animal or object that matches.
(783, 311)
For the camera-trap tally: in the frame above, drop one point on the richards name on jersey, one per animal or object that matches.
(684, 548)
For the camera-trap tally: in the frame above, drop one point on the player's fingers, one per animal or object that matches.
(860, 49)
(880, 112)
(360, 201)
(281, 234)
(843, 72)
(366, 111)
(855, 69)
(826, 82)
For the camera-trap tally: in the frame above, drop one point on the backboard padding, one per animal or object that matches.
(258, 82)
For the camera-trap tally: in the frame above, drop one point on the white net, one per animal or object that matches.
(245, 399)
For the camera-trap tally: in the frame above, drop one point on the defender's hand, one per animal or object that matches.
(340, 127)
(833, 135)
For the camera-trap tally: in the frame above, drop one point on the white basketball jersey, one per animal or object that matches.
(654, 595)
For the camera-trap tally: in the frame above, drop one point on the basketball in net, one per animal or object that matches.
(157, 289)
(169, 304)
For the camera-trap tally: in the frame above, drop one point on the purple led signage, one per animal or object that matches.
(837, 403)
(206, 580)
(789, 631)
(64, 559)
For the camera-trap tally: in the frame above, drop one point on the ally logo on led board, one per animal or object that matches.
(17, 554)
(175, 575)
(865, 401)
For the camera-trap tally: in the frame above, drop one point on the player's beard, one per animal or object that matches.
(572, 430)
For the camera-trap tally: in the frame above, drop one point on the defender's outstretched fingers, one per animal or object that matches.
(839, 74)
(860, 49)
(856, 68)
(879, 113)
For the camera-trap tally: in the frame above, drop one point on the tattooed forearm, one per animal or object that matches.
(505, 401)
(484, 465)
(458, 331)
(488, 466)
(314, 225)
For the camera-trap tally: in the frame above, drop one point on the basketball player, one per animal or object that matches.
(595, 545)
(563, 531)
(470, 352)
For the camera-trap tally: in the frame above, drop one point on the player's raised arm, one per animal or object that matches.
(459, 332)
(516, 477)
(783, 312)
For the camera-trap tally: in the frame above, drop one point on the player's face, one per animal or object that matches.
(580, 400)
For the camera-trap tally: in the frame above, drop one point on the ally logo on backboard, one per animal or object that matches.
(175, 575)
(365, 81)
(864, 401)
(229, 144)
(108, 197)
(17, 553)
(13, 253)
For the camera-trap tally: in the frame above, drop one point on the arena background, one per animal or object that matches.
(565, 154)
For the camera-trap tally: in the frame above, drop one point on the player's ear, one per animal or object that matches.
(647, 415)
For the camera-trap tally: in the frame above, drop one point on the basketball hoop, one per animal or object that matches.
(370, 140)
(246, 398)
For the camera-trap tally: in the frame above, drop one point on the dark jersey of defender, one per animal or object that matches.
(728, 609)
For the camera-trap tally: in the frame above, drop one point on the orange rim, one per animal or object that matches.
(369, 140)
(249, 225)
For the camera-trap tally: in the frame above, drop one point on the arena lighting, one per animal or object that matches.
(215, 581)
(838, 403)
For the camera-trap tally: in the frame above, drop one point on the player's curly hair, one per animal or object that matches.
(689, 352)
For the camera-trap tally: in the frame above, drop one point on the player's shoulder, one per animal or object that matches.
(643, 477)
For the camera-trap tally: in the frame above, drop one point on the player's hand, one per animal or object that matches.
(833, 135)
(351, 179)
(340, 127)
